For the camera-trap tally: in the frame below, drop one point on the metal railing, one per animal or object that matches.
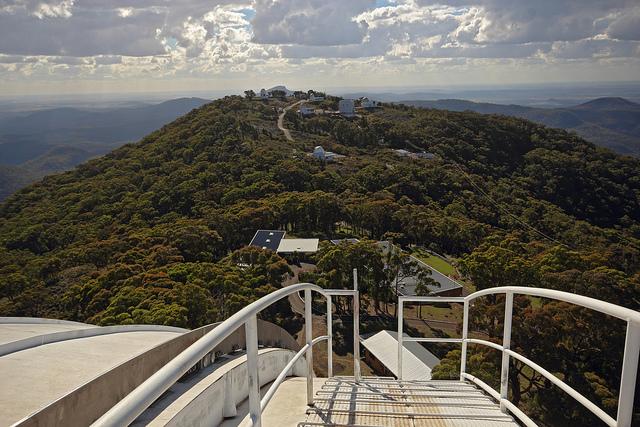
(629, 364)
(136, 402)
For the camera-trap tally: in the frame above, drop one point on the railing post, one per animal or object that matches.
(465, 333)
(629, 373)
(356, 327)
(308, 335)
(251, 339)
(506, 344)
(330, 339)
(400, 315)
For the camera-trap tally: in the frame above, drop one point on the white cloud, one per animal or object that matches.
(125, 12)
(39, 8)
(625, 25)
(309, 22)
(124, 39)
(60, 9)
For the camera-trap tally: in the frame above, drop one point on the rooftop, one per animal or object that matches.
(408, 284)
(417, 361)
(267, 239)
(275, 241)
(298, 245)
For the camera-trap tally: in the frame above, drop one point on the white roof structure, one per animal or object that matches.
(307, 110)
(298, 245)
(368, 103)
(417, 361)
(346, 107)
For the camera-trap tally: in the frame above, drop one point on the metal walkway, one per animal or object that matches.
(378, 402)
(383, 401)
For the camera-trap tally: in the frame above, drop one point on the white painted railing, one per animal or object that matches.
(89, 331)
(629, 364)
(136, 402)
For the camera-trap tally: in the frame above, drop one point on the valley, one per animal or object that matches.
(34, 144)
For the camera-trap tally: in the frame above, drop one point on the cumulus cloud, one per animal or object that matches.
(196, 38)
(593, 48)
(125, 12)
(87, 32)
(309, 22)
(522, 21)
(39, 8)
(625, 25)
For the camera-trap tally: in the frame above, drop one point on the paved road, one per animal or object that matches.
(284, 130)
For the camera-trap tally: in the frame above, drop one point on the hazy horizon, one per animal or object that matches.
(543, 95)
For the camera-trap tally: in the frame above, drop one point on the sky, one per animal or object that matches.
(118, 46)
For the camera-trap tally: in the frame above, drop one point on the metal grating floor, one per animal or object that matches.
(378, 402)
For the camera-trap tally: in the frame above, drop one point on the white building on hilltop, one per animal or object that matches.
(425, 155)
(421, 155)
(319, 153)
(347, 107)
(368, 104)
(307, 110)
(268, 93)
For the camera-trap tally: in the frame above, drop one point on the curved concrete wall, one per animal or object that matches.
(88, 402)
(38, 340)
(229, 388)
(39, 320)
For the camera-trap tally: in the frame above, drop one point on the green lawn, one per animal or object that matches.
(436, 262)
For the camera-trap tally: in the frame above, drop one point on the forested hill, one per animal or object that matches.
(153, 232)
(608, 122)
(38, 143)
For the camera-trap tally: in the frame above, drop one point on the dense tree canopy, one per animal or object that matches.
(155, 231)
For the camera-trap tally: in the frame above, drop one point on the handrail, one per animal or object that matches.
(484, 342)
(620, 312)
(136, 402)
(486, 387)
(283, 374)
(629, 366)
(565, 387)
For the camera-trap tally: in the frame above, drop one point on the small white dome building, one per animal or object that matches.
(319, 153)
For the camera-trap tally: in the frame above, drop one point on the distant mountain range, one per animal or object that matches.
(37, 143)
(609, 122)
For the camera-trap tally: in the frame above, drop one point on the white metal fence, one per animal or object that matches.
(629, 364)
(135, 403)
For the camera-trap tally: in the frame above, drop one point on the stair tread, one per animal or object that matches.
(378, 402)
(454, 410)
